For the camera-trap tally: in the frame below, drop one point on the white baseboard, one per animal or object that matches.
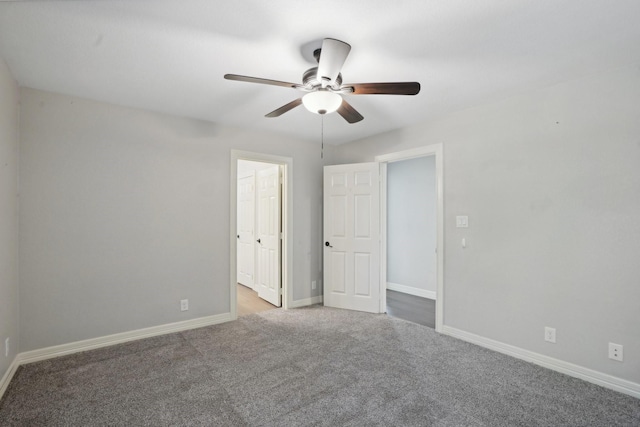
(93, 343)
(6, 378)
(305, 302)
(595, 377)
(411, 290)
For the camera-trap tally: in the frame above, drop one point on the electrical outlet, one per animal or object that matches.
(462, 221)
(6, 347)
(615, 351)
(184, 305)
(313, 284)
(550, 334)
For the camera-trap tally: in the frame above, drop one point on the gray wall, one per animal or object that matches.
(8, 216)
(411, 223)
(550, 180)
(124, 212)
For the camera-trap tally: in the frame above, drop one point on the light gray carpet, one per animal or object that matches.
(312, 366)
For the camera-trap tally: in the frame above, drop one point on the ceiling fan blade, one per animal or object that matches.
(349, 113)
(259, 80)
(332, 56)
(290, 106)
(398, 88)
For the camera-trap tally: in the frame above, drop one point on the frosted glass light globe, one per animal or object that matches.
(322, 101)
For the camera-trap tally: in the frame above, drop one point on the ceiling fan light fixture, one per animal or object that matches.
(324, 88)
(322, 101)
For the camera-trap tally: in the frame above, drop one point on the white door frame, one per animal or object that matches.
(429, 150)
(287, 224)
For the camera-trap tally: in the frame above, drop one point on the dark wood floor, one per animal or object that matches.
(412, 308)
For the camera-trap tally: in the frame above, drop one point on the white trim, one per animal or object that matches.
(287, 218)
(109, 340)
(428, 150)
(438, 151)
(106, 341)
(407, 154)
(411, 290)
(306, 302)
(383, 236)
(8, 376)
(586, 374)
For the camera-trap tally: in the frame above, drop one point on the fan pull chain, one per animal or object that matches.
(322, 136)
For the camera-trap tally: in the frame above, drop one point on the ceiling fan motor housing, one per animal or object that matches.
(310, 80)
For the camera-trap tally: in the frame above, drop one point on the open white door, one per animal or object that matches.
(246, 227)
(269, 232)
(352, 237)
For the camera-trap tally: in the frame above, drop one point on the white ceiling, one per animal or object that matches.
(171, 55)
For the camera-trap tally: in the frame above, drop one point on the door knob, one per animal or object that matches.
(327, 245)
(238, 236)
(259, 241)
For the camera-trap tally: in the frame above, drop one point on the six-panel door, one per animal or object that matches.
(352, 237)
(269, 224)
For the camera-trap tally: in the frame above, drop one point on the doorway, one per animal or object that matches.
(260, 246)
(259, 222)
(421, 276)
(355, 233)
(411, 240)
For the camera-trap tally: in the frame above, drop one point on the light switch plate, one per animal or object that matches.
(462, 221)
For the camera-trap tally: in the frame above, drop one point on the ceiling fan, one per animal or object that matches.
(324, 86)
